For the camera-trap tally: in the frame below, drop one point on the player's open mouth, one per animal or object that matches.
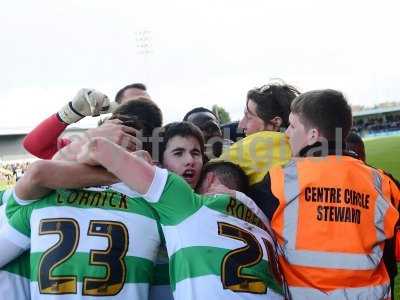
(188, 175)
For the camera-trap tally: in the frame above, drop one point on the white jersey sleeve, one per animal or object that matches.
(12, 244)
(157, 186)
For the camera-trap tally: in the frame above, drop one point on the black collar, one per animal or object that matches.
(318, 150)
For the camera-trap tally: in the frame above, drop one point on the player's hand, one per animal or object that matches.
(86, 154)
(122, 135)
(87, 102)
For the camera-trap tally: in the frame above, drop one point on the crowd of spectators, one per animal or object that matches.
(377, 125)
(11, 172)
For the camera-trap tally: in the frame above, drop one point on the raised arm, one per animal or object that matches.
(44, 176)
(132, 169)
(44, 141)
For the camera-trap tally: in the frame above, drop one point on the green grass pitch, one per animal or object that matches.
(384, 153)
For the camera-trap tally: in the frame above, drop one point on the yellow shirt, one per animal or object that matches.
(258, 152)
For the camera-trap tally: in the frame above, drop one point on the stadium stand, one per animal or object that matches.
(377, 121)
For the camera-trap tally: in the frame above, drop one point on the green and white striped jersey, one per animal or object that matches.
(87, 244)
(15, 280)
(14, 277)
(219, 247)
(4, 195)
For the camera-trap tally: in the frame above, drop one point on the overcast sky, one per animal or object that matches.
(200, 52)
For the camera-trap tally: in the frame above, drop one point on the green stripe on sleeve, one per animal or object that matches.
(1, 196)
(19, 266)
(177, 202)
(19, 216)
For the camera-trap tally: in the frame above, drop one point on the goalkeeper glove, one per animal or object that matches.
(87, 102)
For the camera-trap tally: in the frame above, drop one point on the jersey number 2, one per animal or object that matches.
(245, 257)
(112, 258)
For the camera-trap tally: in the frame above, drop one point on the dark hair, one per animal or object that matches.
(325, 110)
(183, 129)
(141, 114)
(197, 110)
(209, 126)
(230, 175)
(119, 94)
(355, 143)
(273, 100)
(235, 133)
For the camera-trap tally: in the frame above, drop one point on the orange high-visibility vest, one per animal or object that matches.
(332, 221)
(390, 189)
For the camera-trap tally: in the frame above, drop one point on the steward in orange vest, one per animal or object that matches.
(330, 212)
(332, 221)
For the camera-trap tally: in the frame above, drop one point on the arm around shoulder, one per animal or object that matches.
(42, 141)
(129, 168)
(44, 176)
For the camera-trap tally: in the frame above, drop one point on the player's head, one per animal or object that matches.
(182, 150)
(141, 114)
(206, 120)
(131, 92)
(316, 116)
(355, 144)
(209, 125)
(200, 115)
(225, 173)
(268, 108)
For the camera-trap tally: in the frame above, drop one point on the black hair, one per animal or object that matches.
(208, 125)
(326, 110)
(197, 110)
(141, 114)
(234, 132)
(355, 143)
(273, 100)
(230, 175)
(183, 129)
(119, 94)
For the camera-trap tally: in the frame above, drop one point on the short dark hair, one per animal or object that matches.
(235, 132)
(325, 110)
(183, 129)
(355, 143)
(141, 114)
(209, 125)
(197, 110)
(273, 100)
(230, 175)
(119, 94)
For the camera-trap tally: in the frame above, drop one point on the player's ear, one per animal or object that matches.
(210, 177)
(313, 135)
(205, 184)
